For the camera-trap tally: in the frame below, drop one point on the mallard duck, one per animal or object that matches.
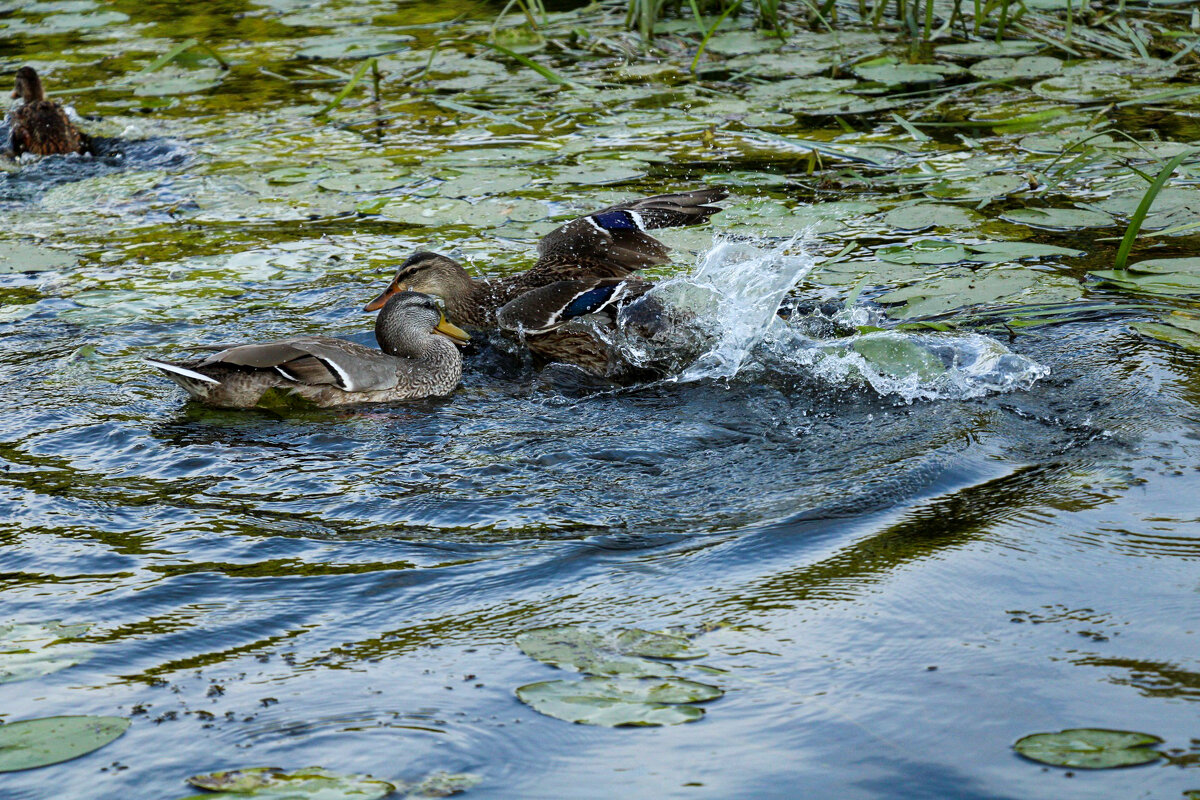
(418, 359)
(40, 126)
(584, 268)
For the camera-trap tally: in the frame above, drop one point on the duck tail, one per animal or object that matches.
(195, 383)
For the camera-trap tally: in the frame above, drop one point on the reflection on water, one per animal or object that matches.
(902, 550)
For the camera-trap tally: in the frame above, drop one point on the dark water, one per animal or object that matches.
(894, 592)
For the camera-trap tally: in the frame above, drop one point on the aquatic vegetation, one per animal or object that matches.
(33, 743)
(1090, 748)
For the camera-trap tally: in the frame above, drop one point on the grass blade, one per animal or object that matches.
(340, 96)
(711, 31)
(544, 71)
(1135, 222)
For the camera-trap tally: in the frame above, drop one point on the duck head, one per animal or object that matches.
(28, 85)
(428, 273)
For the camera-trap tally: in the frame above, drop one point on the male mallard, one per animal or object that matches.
(583, 268)
(419, 359)
(40, 126)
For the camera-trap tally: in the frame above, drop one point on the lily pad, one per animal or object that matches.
(336, 46)
(1172, 284)
(1084, 87)
(35, 743)
(923, 251)
(1014, 251)
(1001, 285)
(31, 649)
(921, 216)
(1089, 748)
(1016, 68)
(289, 175)
(365, 181)
(739, 42)
(1165, 266)
(900, 74)
(1061, 219)
(273, 783)
(619, 702)
(991, 49)
(1174, 329)
(972, 188)
(29, 257)
(625, 652)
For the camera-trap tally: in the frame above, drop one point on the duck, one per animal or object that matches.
(40, 126)
(584, 274)
(418, 358)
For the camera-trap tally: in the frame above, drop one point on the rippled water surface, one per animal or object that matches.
(895, 576)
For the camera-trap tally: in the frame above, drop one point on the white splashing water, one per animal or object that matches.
(722, 319)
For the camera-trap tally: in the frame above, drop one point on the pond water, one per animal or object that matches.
(897, 564)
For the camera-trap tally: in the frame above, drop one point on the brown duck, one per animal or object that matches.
(584, 269)
(418, 359)
(40, 126)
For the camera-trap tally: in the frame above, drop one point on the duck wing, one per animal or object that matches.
(547, 307)
(316, 361)
(613, 242)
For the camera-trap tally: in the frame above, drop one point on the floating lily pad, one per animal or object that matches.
(1016, 68)
(29, 257)
(179, 82)
(1167, 265)
(273, 783)
(923, 251)
(781, 65)
(1089, 748)
(365, 181)
(738, 42)
(39, 742)
(289, 175)
(1001, 285)
(920, 216)
(1175, 328)
(768, 119)
(1062, 219)
(625, 652)
(1173, 284)
(619, 702)
(1084, 87)
(1014, 251)
(900, 74)
(336, 46)
(32, 649)
(992, 49)
(972, 188)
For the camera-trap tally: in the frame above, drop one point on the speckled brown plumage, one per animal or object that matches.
(40, 126)
(599, 252)
(418, 359)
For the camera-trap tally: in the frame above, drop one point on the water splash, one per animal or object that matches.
(722, 321)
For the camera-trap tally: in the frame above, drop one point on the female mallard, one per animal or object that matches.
(583, 268)
(40, 126)
(419, 360)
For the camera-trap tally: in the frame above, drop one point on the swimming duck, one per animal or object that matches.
(418, 359)
(40, 126)
(584, 269)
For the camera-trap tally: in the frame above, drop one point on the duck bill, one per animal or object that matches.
(456, 333)
(381, 301)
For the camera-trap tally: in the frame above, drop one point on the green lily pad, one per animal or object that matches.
(1172, 284)
(1084, 87)
(289, 175)
(1015, 251)
(739, 42)
(900, 74)
(619, 702)
(898, 356)
(1185, 333)
(365, 181)
(920, 216)
(335, 46)
(1062, 219)
(29, 257)
(32, 649)
(1165, 266)
(923, 251)
(961, 288)
(973, 188)
(1089, 748)
(768, 119)
(179, 82)
(35, 743)
(307, 783)
(992, 49)
(625, 652)
(781, 65)
(1016, 68)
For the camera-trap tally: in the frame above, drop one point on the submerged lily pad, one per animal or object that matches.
(29, 257)
(626, 652)
(31, 650)
(898, 356)
(619, 702)
(1089, 748)
(1175, 328)
(273, 783)
(39, 742)
(1063, 219)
